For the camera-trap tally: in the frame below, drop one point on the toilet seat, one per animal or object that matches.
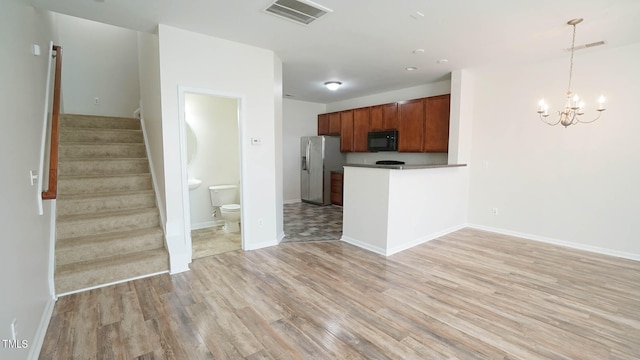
(230, 207)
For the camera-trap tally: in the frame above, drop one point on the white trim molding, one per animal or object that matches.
(569, 244)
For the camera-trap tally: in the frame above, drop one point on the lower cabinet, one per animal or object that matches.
(336, 187)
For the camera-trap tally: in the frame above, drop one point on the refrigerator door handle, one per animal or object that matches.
(305, 166)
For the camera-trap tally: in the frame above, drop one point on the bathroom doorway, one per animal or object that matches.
(211, 124)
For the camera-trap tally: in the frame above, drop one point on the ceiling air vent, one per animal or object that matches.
(302, 12)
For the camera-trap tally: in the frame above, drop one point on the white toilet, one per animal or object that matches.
(223, 197)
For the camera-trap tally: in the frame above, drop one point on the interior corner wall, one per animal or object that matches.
(24, 259)
(575, 185)
(100, 61)
(300, 119)
(188, 59)
(278, 146)
(150, 103)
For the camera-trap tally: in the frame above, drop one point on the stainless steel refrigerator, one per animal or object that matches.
(320, 155)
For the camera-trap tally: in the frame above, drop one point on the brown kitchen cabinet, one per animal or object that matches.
(346, 131)
(411, 125)
(383, 117)
(361, 118)
(336, 187)
(436, 126)
(323, 124)
(334, 123)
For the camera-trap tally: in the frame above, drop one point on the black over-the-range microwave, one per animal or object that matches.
(382, 140)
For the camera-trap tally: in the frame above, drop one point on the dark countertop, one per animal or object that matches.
(403, 167)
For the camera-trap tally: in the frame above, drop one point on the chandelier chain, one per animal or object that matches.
(573, 44)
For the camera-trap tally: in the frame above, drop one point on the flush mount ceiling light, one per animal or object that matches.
(411, 68)
(333, 85)
(573, 107)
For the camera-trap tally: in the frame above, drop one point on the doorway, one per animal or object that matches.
(210, 124)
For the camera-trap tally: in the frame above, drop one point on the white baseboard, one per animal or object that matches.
(397, 249)
(38, 340)
(364, 245)
(261, 245)
(424, 239)
(294, 201)
(207, 224)
(569, 244)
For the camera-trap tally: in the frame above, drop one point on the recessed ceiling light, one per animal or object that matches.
(442, 61)
(411, 68)
(333, 85)
(418, 51)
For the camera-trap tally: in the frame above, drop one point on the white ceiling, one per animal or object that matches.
(367, 44)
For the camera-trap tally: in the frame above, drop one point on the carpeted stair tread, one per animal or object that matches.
(77, 276)
(70, 226)
(84, 248)
(103, 166)
(105, 183)
(101, 136)
(96, 121)
(71, 204)
(83, 150)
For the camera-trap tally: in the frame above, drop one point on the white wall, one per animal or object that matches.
(24, 259)
(198, 61)
(99, 61)
(216, 159)
(416, 92)
(149, 72)
(300, 119)
(576, 185)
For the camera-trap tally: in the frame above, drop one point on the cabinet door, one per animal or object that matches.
(360, 129)
(323, 124)
(334, 123)
(390, 116)
(436, 126)
(411, 125)
(375, 118)
(346, 131)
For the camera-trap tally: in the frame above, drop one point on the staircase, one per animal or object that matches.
(108, 225)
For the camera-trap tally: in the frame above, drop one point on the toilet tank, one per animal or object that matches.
(223, 194)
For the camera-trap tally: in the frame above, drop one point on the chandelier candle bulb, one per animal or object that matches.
(601, 100)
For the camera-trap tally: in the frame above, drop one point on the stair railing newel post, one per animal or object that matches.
(52, 189)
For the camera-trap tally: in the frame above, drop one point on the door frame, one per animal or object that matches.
(240, 98)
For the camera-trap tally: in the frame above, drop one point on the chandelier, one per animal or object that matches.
(574, 106)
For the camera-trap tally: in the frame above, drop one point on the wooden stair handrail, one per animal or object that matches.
(52, 190)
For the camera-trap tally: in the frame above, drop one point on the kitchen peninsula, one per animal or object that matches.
(390, 208)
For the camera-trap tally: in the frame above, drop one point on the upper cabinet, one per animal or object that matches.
(436, 126)
(346, 131)
(323, 124)
(334, 123)
(411, 125)
(422, 124)
(384, 117)
(361, 119)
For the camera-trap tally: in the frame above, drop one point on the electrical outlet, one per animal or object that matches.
(96, 101)
(14, 329)
(260, 223)
(494, 211)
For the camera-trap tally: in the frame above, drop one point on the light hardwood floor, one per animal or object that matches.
(468, 295)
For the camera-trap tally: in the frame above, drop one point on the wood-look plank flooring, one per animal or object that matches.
(467, 295)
